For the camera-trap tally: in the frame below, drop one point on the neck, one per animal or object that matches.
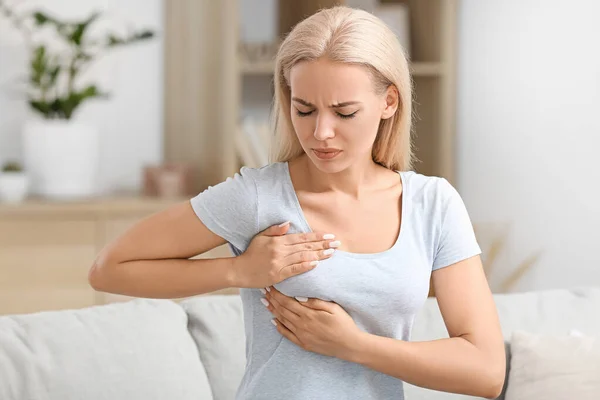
(354, 181)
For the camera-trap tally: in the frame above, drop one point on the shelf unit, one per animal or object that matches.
(205, 79)
(432, 67)
(48, 247)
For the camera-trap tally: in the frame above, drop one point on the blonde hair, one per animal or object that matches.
(347, 35)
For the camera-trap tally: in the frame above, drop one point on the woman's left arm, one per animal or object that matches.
(471, 361)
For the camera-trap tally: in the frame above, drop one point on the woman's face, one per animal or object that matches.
(336, 112)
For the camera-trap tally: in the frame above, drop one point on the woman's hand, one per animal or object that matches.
(315, 325)
(273, 256)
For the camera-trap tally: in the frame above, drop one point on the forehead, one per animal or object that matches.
(329, 81)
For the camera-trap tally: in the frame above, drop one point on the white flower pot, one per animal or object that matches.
(13, 186)
(61, 158)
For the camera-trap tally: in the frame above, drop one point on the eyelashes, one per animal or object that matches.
(343, 116)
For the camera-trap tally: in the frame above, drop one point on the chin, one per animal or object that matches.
(333, 166)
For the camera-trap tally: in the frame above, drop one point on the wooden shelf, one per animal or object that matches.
(257, 68)
(47, 248)
(100, 205)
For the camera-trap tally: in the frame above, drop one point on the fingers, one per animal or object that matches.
(313, 246)
(308, 256)
(277, 230)
(298, 238)
(284, 306)
(296, 269)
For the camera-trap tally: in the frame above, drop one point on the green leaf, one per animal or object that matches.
(80, 29)
(40, 52)
(63, 28)
(44, 69)
(76, 98)
(58, 108)
(40, 18)
(90, 91)
(42, 107)
(53, 74)
(114, 41)
(143, 35)
(39, 63)
(82, 57)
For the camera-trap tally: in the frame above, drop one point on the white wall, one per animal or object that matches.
(529, 132)
(131, 121)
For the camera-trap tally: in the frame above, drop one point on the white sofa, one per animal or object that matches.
(159, 349)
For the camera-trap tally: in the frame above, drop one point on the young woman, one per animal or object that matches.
(340, 232)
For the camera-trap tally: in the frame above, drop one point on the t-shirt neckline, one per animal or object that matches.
(306, 225)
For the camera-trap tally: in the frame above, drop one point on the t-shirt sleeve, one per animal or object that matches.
(230, 208)
(457, 239)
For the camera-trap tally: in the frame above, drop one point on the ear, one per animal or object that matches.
(392, 100)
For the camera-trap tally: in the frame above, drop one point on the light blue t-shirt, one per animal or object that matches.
(382, 292)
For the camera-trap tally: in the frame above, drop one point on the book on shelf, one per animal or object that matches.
(252, 142)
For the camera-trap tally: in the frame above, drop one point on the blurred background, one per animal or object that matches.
(112, 110)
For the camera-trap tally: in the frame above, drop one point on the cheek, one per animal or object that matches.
(362, 131)
(304, 127)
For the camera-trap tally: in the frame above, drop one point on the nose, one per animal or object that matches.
(324, 129)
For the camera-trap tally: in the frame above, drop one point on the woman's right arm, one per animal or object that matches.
(151, 259)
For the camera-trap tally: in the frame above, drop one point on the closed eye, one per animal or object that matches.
(303, 114)
(347, 115)
(344, 116)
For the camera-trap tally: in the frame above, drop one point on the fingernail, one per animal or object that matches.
(337, 243)
(274, 322)
(268, 289)
(302, 299)
(265, 302)
(313, 263)
(328, 236)
(284, 224)
(328, 252)
(263, 291)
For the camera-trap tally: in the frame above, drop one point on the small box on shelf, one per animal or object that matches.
(170, 180)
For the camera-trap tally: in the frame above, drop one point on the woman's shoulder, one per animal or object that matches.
(268, 172)
(429, 188)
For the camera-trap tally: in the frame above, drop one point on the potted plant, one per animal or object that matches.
(14, 183)
(61, 152)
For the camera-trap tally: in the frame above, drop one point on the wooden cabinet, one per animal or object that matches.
(47, 248)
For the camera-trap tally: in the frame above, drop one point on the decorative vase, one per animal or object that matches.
(168, 180)
(61, 157)
(13, 186)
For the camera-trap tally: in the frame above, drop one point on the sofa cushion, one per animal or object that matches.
(216, 324)
(135, 350)
(552, 311)
(554, 367)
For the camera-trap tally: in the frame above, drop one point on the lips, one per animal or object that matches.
(326, 154)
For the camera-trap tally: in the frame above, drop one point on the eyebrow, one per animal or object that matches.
(338, 105)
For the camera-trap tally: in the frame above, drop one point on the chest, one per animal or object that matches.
(377, 292)
(369, 225)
